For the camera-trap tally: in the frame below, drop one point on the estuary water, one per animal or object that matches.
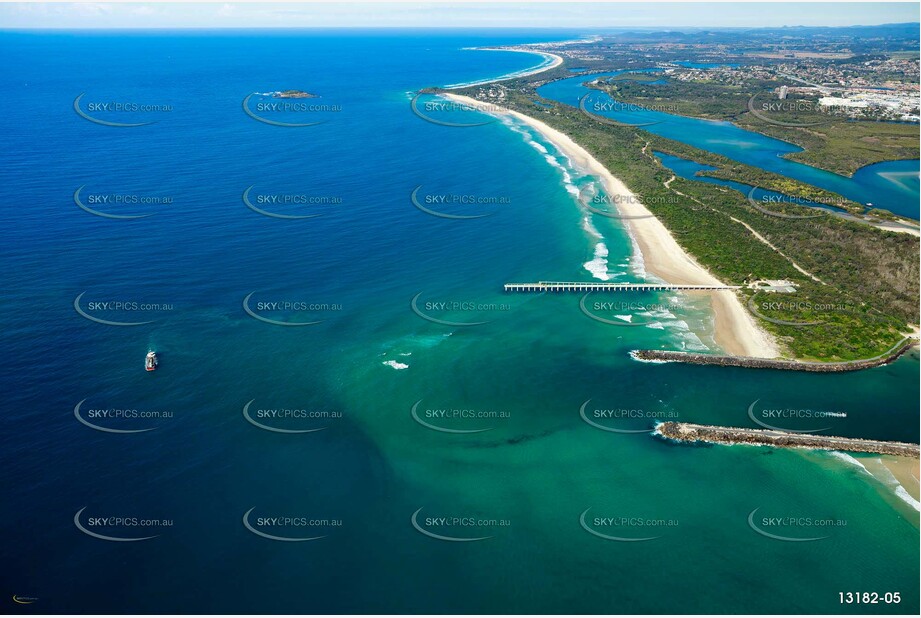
(430, 404)
(893, 185)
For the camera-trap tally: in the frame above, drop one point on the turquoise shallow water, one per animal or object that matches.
(523, 375)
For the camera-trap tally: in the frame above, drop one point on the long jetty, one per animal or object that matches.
(590, 286)
(769, 363)
(690, 432)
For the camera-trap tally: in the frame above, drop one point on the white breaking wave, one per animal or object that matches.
(599, 265)
(546, 61)
(590, 228)
(687, 339)
(538, 146)
(638, 264)
(906, 497)
(633, 355)
(396, 365)
(890, 480)
(848, 459)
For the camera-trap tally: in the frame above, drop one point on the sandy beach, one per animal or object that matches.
(906, 471)
(555, 61)
(898, 474)
(735, 330)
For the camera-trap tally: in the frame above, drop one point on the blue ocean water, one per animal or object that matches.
(357, 375)
(893, 185)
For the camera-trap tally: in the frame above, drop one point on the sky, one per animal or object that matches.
(532, 14)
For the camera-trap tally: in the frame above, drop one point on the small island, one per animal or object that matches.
(294, 94)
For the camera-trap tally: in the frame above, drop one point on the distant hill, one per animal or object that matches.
(886, 37)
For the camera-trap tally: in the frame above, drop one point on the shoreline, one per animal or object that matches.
(906, 472)
(895, 472)
(692, 358)
(554, 59)
(734, 329)
(905, 225)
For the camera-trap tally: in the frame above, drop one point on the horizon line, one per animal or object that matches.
(434, 27)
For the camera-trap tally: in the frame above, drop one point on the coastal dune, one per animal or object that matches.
(735, 330)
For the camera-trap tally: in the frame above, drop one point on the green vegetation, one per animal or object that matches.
(634, 77)
(701, 99)
(830, 142)
(727, 169)
(843, 146)
(295, 94)
(870, 277)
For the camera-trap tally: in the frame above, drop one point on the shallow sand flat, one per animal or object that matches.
(906, 472)
(735, 329)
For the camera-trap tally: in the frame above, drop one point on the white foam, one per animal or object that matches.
(547, 60)
(906, 497)
(633, 355)
(539, 147)
(590, 228)
(848, 459)
(692, 342)
(599, 265)
(889, 479)
(625, 318)
(396, 365)
(549, 158)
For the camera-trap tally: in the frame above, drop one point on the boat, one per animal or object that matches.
(151, 361)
